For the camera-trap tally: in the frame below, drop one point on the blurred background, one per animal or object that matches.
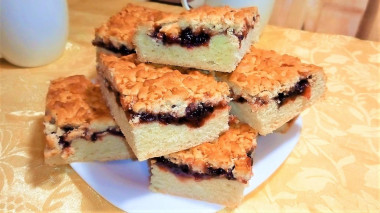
(357, 18)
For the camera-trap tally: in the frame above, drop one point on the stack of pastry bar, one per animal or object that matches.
(190, 94)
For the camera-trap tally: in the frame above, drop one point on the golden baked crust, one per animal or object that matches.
(229, 151)
(121, 27)
(75, 110)
(159, 89)
(211, 19)
(75, 101)
(265, 74)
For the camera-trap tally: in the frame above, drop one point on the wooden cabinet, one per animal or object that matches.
(360, 18)
(329, 16)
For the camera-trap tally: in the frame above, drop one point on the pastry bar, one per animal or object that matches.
(115, 36)
(269, 89)
(209, 38)
(78, 125)
(286, 127)
(216, 171)
(159, 109)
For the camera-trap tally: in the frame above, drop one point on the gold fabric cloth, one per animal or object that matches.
(334, 167)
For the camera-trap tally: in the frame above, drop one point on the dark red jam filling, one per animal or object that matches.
(299, 88)
(258, 101)
(242, 36)
(249, 154)
(241, 100)
(64, 144)
(244, 33)
(112, 131)
(122, 50)
(185, 170)
(93, 137)
(187, 38)
(195, 116)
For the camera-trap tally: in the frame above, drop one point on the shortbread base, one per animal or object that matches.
(269, 117)
(106, 148)
(153, 139)
(223, 52)
(286, 127)
(216, 190)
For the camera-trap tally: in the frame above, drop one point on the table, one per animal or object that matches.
(334, 167)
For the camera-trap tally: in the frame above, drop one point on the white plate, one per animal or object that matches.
(125, 183)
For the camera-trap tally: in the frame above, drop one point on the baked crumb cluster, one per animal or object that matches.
(211, 20)
(75, 109)
(159, 89)
(121, 28)
(230, 152)
(75, 101)
(263, 74)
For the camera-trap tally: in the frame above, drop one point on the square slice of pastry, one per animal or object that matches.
(216, 171)
(269, 89)
(78, 125)
(115, 36)
(208, 38)
(159, 109)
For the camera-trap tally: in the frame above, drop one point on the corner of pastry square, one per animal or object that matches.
(78, 124)
(269, 89)
(75, 101)
(116, 35)
(265, 70)
(216, 171)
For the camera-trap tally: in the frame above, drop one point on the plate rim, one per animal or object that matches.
(295, 129)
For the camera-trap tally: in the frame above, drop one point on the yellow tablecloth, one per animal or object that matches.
(334, 167)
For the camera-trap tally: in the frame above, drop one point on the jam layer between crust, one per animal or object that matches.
(122, 50)
(188, 38)
(196, 114)
(302, 87)
(186, 171)
(87, 135)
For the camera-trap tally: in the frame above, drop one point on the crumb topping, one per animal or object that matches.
(157, 88)
(74, 101)
(229, 152)
(264, 74)
(121, 27)
(211, 19)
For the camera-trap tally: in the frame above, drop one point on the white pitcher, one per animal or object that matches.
(33, 32)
